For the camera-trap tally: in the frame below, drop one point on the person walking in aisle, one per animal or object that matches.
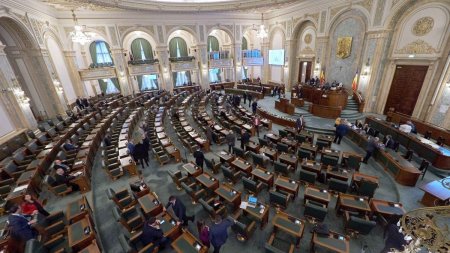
(245, 138)
(231, 139)
(372, 145)
(199, 157)
(219, 232)
(341, 131)
(256, 124)
(254, 106)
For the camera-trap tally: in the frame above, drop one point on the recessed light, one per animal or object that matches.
(411, 56)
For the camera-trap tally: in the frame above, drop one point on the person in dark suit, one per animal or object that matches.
(61, 165)
(372, 145)
(141, 154)
(19, 226)
(107, 140)
(218, 233)
(85, 102)
(69, 146)
(393, 238)
(179, 210)
(199, 157)
(245, 138)
(152, 233)
(231, 138)
(299, 124)
(389, 142)
(62, 177)
(254, 106)
(341, 131)
(79, 103)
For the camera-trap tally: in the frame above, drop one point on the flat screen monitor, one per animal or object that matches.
(276, 57)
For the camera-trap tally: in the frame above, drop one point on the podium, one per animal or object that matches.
(285, 106)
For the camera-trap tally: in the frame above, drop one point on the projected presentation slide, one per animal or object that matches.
(276, 57)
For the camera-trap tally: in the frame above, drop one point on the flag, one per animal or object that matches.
(355, 82)
(322, 77)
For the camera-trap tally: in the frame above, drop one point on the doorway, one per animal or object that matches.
(304, 71)
(405, 88)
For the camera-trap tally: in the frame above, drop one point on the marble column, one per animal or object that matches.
(290, 46)
(120, 64)
(164, 64)
(237, 56)
(202, 57)
(265, 70)
(72, 67)
(321, 54)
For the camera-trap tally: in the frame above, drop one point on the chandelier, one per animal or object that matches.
(261, 32)
(78, 35)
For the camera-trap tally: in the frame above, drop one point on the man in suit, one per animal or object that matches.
(61, 165)
(299, 124)
(19, 226)
(179, 209)
(69, 146)
(372, 145)
(79, 103)
(389, 142)
(199, 157)
(245, 138)
(254, 106)
(62, 177)
(231, 139)
(152, 233)
(85, 102)
(341, 131)
(218, 232)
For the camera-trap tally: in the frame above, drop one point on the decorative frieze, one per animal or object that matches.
(97, 73)
(221, 63)
(253, 61)
(144, 69)
(417, 47)
(183, 66)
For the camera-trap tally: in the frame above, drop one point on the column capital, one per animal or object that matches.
(69, 53)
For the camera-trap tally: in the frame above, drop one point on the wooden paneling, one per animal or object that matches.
(405, 88)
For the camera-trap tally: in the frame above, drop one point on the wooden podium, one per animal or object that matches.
(285, 106)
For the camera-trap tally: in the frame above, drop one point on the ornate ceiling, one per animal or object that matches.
(173, 5)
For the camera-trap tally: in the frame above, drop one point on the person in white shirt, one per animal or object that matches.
(405, 128)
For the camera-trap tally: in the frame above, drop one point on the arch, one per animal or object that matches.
(173, 32)
(244, 43)
(105, 52)
(23, 37)
(301, 24)
(274, 29)
(131, 35)
(356, 10)
(224, 29)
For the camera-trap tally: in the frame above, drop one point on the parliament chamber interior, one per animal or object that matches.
(224, 126)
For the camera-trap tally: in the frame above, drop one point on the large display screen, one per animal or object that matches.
(276, 57)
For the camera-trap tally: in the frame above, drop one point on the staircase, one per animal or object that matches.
(350, 112)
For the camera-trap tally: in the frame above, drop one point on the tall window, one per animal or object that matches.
(148, 82)
(244, 43)
(100, 52)
(213, 44)
(109, 86)
(214, 75)
(141, 50)
(181, 78)
(178, 47)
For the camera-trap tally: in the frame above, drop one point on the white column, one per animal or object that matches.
(120, 64)
(72, 67)
(164, 64)
(265, 69)
(202, 53)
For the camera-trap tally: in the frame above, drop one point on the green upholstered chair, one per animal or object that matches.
(57, 244)
(252, 186)
(263, 142)
(55, 224)
(279, 199)
(212, 165)
(4, 191)
(329, 160)
(300, 138)
(244, 226)
(282, 133)
(240, 152)
(231, 174)
(134, 244)
(43, 139)
(308, 177)
(356, 223)
(353, 162)
(209, 206)
(69, 160)
(281, 147)
(33, 147)
(278, 244)
(337, 185)
(194, 190)
(58, 190)
(315, 211)
(114, 170)
(322, 144)
(129, 218)
(122, 198)
(366, 188)
(282, 168)
(177, 177)
(302, 154)
(9, 182)
(20, 159)
(13, 170)
(258, 159)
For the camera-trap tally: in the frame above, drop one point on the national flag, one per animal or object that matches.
(355, 82)
(322, 77)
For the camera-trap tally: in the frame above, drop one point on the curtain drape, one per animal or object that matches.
(116, 84)
(213, 44)
(176, 45)
(93, 52)
(148, 82)
(244, 43)
(103, 85)
(141, 49)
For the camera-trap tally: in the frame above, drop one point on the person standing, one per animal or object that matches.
(245, 97)
(209, 134)
(341, 131)
(219, 232)
(31, 206)
(245, 138)
(299, 124)
(19, 225)
(179, 209)
(141, 154)
(372, 145)
(131, 147)
(250, 98)
(231, 139)
(199, 157)
(254, 106)
(152, 233)
(79, 103)
(256, 124)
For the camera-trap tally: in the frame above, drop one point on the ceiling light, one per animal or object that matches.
(78, 35)
(411, 56)
(262, 33)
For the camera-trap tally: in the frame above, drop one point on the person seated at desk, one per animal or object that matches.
(405, 128)
(413, 127)
(62, 177)
(19, 225)
(389, 142)
(152, 233)
(366, 128)
(61, 165)
(31, 207)
(358, 124)
(138, 186)
(107, 140)
(69, 146)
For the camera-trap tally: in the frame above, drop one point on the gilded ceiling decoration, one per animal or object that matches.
(417, 47)
(173, 5)
(423, 26)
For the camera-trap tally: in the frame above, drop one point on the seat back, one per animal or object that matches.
(361, 225)
(308, 176)
(354, 162)
(227, 172)
(249, 185)
(280, 168)
(31, 134)
(283, 133)
(329, 160)
(315, 210)
(263, 142)
(322, 144)
(278, 198)
(337, 185)
(49, 180)
(281, 147)
(126, 246)
(258, 159)
(302, 154)
(239, 152)
(367, 188)
(209, 209)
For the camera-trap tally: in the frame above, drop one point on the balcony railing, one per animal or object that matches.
(221, 63)
(97, 73)
(141, 62)
(181, 59)
(101, 65)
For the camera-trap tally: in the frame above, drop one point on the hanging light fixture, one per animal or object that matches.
(261, 32)
(79, 35)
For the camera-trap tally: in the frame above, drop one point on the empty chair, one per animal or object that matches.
(307, 177)
(366, 188)
(263, 142)
(356, 223)
(123, 198)
(13, 170)
(69, 160)
(114, 170)
(258, 159)
(427, 135)
(409, 154)
(55, 224)
(282, 133)
(315, 211)
(31, 134)
(353, 162)
(337, 185)
(243, 227)
(329, 160)
(59, 190)
(322, 144)
(302, 154)
(134, 244)
(424, 167)
(41, 128)
(231, 174)
(279, 199)
(57, 244)
(252, 186)
(240, 152)
(129, 218)
(212, 165)
(282, 168)
(43, 139)
(210, 207)
(20, 159)
(278, 244)
(281, 147)
(177, 177)
(194, 190)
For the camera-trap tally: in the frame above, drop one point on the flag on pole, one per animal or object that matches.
(322, 77)
(355, 82)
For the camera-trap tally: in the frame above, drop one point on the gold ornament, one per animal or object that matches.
(308, 38)
(423, 26)
(344, 47)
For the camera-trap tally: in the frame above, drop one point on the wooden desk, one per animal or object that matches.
(386, 208)
(225, 157)
(333, 243)
(352, 203)
(341, 174)
(291, 143)
(287, 184)
(129, 164)
(264, 176)
(289, 159)
(252, 146)
(270, 152)
(82, 180)
(326, 138)
(16, 195)
(273, 137)
(357, 177)
(150, 205)
(311, 148)
(77, 210)
(289, 224)
(174, 152)
(324, 111)
(123, 153)
(192, 169)
(284, 106)
(229, 194)
(77, 236)
(312, 166)
(436, 192)
(242, 165)
(260, 212)
(91, 248)
(187, 243)
(282, 121)
(32, 177)
(209, 182)
(168, 225)
(317, 195)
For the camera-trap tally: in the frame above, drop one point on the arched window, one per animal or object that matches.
(148, 82)
(213, 44)
(178, 47)
(109, 86)
(100, 52)
(181, 78)
(244, 43)
(141, 49)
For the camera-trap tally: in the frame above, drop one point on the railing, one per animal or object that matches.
(101, 65)
(141, 62)
(97, 73)
(360, 100)
(181, 59)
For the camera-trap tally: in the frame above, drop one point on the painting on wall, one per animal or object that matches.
(344, 47)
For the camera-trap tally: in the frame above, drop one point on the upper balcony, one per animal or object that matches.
(143, 67)
(98, 71)
(252, 58)
(183, 63)
(220, 59)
